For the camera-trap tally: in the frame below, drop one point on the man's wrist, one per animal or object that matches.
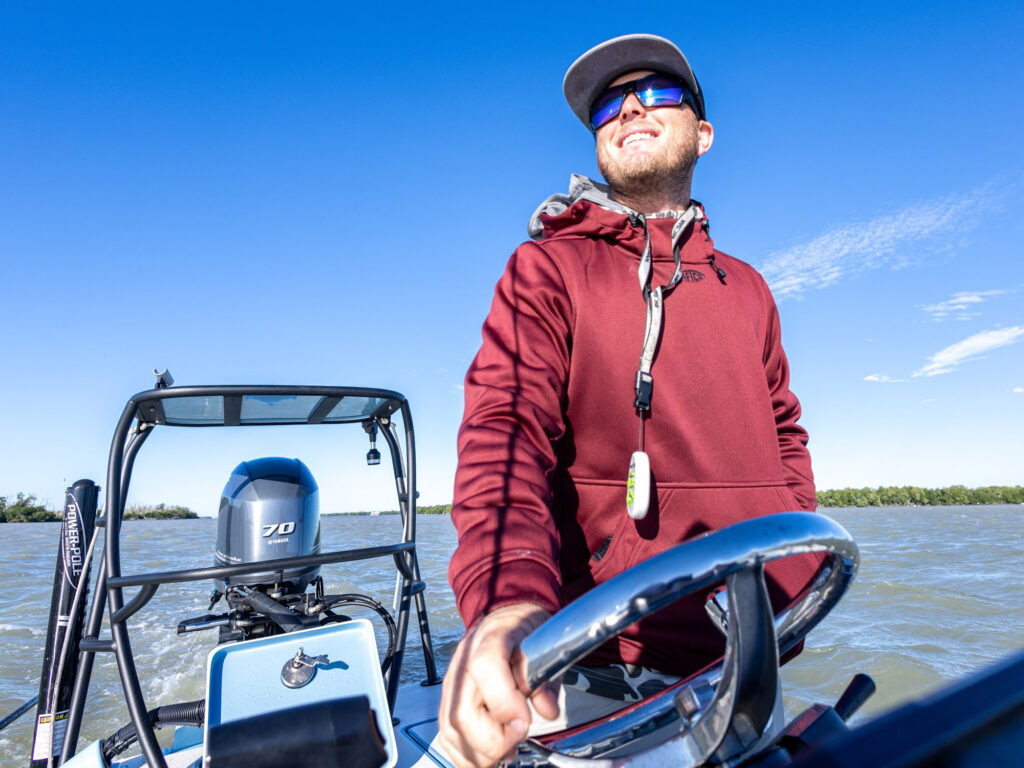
(523, 611)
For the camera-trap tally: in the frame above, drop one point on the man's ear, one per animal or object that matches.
(705, 136)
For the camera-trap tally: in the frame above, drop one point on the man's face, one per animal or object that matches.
(644, 149)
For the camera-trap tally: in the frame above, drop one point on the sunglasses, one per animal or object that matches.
(651, 90)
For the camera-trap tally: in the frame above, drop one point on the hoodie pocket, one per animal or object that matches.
(605, 558)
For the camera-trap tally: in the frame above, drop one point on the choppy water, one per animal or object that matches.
(938, 595)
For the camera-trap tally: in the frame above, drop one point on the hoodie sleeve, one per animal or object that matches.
(515, 393)
(796, 460)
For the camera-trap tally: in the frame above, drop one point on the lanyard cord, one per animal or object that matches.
(655, 299)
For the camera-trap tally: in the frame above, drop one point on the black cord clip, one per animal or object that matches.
(643, 388)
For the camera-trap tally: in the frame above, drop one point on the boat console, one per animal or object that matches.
(290, 669)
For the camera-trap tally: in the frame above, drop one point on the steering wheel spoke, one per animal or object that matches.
(745, 697)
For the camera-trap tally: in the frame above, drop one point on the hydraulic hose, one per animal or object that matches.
(333, 601)
(187, 713)
(273, 610)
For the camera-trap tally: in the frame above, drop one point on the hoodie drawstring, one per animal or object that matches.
(718, 270)
(654, 298)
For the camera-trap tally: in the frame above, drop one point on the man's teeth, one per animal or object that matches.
(637, 137)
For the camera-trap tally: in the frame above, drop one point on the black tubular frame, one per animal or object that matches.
(141, 414)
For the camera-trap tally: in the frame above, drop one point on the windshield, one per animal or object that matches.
(212, 410)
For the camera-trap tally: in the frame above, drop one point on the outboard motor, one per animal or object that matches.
(270, 509)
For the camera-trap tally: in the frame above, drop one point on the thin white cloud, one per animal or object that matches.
(883, 378)
(946, 360)
(891, 240)
(960, 306)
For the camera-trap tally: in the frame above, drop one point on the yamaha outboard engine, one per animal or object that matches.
(270, 509)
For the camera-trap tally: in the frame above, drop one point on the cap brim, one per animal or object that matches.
(591, 73)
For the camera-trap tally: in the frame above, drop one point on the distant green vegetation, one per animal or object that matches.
(362, 513)
(435, 509)
(909, 495)
(24, 509)
(159, 512)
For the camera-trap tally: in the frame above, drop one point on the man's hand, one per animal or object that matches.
(484, 714)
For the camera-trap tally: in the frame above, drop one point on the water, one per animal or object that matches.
(937, 596)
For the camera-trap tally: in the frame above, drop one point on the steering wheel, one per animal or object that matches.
(722, 712)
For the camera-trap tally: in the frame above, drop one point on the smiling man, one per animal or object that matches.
(631, 392)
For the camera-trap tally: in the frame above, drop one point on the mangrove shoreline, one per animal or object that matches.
(24, 509)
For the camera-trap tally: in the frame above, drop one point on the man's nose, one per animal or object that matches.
(632, 106)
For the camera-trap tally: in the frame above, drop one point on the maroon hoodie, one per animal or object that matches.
(549, 426)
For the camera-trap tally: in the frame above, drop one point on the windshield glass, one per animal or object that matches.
(354, 408)
(209, 410)
(194, 410)
(268, 409)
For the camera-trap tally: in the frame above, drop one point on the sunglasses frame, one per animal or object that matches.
(627, 88)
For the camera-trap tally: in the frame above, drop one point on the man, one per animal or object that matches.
(564, 428)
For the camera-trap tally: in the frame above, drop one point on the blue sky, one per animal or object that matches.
(307, 193)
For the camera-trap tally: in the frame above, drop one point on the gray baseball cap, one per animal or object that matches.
(591, 73)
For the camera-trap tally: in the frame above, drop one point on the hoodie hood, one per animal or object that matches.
(580, 188)
(589, 210)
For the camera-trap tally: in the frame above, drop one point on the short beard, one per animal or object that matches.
(658, 181)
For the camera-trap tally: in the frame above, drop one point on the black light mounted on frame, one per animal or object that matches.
(372, 455)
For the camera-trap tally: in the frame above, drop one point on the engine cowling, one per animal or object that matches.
(269, 509)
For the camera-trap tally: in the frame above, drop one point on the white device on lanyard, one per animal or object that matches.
(638, 485)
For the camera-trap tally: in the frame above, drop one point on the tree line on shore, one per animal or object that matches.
(25, 509)
(910, 495)
(430, 509)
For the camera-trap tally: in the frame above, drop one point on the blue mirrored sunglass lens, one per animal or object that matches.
(604, 110)
(671, 95)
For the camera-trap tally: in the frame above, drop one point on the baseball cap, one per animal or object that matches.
(591, 73)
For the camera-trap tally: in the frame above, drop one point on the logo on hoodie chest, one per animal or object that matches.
(691, 276)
